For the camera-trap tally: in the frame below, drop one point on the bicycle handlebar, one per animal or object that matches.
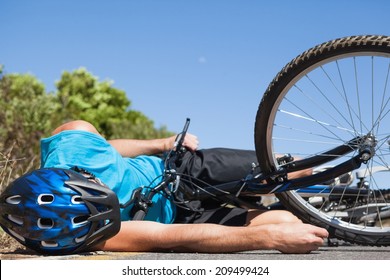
(180, 137)
(143, 201)
(178, 150)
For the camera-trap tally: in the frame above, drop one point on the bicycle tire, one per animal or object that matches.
(315, 102)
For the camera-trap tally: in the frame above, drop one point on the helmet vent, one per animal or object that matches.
(80, 239)
(15, 199)
(76, 199)
(45, 223)
(79, 220)
(45, 198)
(50, 244)
(16, 235)
(16, 219)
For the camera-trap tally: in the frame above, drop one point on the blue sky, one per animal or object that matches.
(210, 60)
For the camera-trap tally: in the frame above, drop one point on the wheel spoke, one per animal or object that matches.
(322, 99)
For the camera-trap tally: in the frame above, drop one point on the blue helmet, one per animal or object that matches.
(59, 211)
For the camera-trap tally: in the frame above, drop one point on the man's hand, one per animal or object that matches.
(296, 237)
(190, 142)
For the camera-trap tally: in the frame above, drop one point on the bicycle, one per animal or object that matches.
(330, 108)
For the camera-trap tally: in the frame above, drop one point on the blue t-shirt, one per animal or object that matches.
(123, 175)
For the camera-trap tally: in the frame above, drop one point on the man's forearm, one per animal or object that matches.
(213, 238)
(138, 236)
(151, 236)
(135, 147)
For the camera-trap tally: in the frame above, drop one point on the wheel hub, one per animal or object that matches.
(367, 147)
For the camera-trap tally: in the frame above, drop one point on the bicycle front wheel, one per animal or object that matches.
(323, 98)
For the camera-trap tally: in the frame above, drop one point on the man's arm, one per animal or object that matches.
(138, 236)
(134, 147)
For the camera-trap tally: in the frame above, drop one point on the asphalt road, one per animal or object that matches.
(350, 262)
(326, 253)
(341, 252)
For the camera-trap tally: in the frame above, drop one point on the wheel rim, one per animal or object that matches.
(326, 105)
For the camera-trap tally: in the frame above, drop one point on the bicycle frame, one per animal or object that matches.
(278, 182)
(253, 185)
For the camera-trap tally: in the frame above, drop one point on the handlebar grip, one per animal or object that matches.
(139, 215)
(180, 137)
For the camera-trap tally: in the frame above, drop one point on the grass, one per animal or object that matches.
(7, 165)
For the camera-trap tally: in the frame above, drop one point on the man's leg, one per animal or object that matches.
(260, 217)
(221, 165)
(234, 216)
(218, 165)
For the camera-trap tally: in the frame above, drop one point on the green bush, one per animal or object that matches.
(28, 113)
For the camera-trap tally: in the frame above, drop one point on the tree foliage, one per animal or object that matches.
(82, 96)
(28, 113)
(25, 116)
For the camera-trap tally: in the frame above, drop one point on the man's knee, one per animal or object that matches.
(76, 125)
(271, 217)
